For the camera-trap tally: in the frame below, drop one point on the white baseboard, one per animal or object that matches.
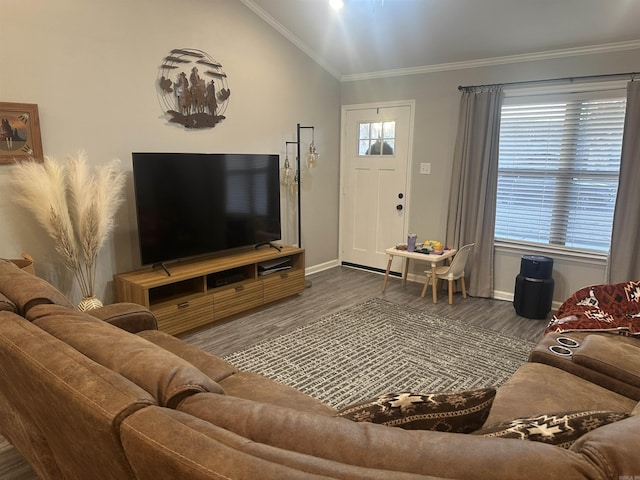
(412, 277)
(321, 267)
(508, 296)
(498, 295)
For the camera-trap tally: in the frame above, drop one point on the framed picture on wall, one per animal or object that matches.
(19, 132)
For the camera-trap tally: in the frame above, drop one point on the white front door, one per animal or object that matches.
(376, 153)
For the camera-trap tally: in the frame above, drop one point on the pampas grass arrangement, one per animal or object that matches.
(75, 206)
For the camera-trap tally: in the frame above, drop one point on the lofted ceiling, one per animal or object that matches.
(369, 38)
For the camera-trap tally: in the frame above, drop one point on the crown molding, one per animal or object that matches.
(291, 37)
(487, 62)
(442, 67)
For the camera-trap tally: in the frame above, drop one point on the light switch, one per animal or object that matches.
(425, 169)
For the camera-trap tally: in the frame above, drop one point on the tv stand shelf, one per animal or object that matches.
(205, 290)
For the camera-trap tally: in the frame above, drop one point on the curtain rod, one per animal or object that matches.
(549, 80)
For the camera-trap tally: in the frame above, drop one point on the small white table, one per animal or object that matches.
(423, 257)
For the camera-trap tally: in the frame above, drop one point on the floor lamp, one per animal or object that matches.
(289, 177)
(312, 158)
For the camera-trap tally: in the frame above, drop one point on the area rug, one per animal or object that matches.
(377, 347)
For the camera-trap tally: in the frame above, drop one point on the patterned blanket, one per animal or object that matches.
(611, 308)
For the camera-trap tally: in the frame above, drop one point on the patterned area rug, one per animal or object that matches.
(379, 347)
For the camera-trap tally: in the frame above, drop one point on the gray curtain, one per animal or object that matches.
(624, 261)
(474, 182)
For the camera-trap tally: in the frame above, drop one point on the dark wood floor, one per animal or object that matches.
(331, 291)
(340, 287)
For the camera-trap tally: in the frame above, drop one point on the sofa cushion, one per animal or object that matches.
(253, 386)
(535, 389)
(459, 412)
(26, 290)
(161, 373)
(395, 453)
(6, 305)
(248, 385)
(127, 316)
(169, 444)
(214, 367)
(560, 429)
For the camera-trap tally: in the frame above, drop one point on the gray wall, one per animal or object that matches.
(436, 116)
(91, 67)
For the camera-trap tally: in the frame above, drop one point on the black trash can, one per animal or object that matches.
(534, 287)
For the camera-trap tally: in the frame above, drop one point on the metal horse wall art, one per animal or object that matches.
(187, 97)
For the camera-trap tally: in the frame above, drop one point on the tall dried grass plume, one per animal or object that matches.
(76, 207)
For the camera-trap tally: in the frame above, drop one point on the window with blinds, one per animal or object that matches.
(558, 168)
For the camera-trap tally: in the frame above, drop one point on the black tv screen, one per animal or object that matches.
(191, 204)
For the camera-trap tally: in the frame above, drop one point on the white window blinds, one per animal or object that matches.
(558, 168)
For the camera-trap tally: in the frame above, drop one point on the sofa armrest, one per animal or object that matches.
(128, 316)
(610, 357)
(25, 290)
(592, 370)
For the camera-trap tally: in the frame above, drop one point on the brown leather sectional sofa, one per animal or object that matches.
(109, 396)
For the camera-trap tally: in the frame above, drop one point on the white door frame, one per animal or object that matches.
(343, 133)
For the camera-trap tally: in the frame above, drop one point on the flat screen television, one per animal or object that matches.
(193, 204)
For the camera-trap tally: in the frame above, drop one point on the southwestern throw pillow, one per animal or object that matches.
(459, 412)
(560, 429)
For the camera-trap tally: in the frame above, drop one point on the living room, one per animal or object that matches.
(92, 69)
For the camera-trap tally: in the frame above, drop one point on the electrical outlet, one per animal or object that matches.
(425, 169)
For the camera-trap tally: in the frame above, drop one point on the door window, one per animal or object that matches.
(376, 138)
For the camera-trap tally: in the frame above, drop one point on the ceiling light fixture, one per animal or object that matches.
(336, 4)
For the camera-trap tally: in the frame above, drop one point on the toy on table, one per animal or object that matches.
(431, 246)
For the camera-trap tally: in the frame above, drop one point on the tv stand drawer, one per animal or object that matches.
(237, 299)
(283, 284)
(185, 315)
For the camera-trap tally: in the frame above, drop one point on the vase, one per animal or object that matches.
(90, 302)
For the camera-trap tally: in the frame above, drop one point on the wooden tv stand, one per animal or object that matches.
(206, 290)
